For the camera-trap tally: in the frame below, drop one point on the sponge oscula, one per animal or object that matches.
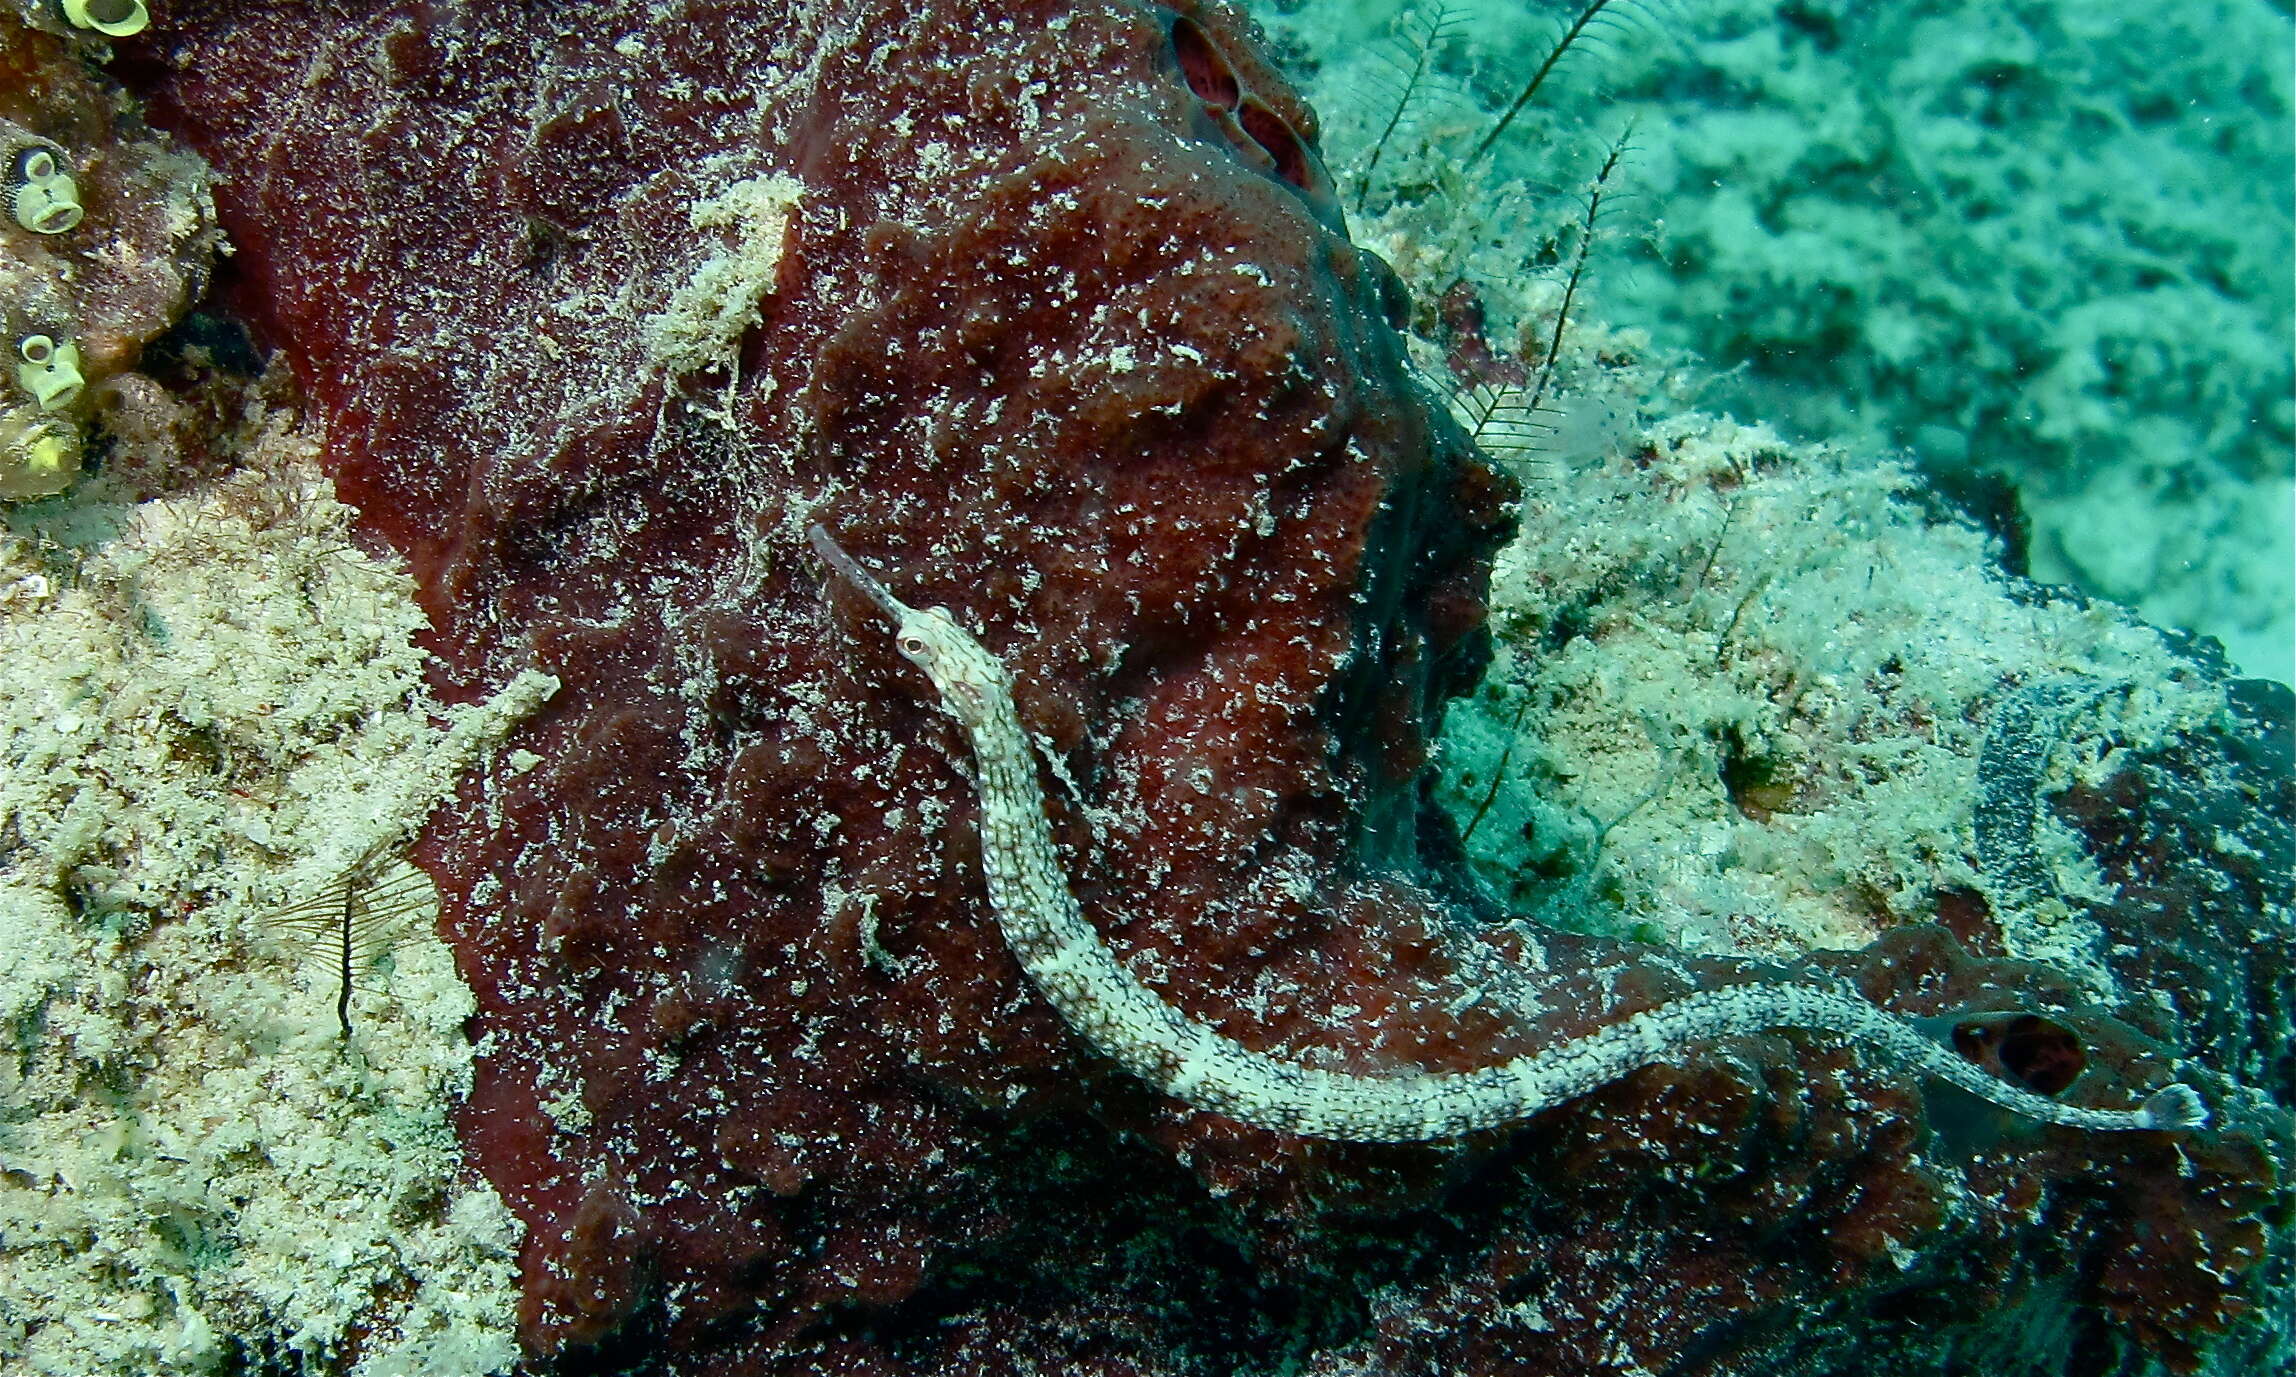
(50, 370)
(39, 191)
(111, 18)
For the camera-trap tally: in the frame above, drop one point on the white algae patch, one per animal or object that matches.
(213, 708)
(707, 314)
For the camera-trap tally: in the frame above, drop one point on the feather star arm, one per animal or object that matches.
(1132, 1025)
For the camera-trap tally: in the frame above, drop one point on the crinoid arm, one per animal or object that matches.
(1572, 34)
(369, 910)
(1425, 30)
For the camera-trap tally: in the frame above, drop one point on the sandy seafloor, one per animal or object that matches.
(1855, 249)
(2050, 241)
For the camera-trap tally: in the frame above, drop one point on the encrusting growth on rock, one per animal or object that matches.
(1047, 313)
(1132, 1025)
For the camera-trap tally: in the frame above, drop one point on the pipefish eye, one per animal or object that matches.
(914, 646)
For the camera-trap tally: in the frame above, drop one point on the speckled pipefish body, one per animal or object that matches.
(1132, 1025)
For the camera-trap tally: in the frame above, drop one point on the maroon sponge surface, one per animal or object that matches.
(1065, 336)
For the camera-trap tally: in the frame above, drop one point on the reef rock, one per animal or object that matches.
(106, 238)
(1046, 311)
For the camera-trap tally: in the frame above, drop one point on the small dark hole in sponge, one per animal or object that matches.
(2042, 1056)
(1269, 131)
(1206, 72)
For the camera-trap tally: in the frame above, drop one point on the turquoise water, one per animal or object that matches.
(2039, 244)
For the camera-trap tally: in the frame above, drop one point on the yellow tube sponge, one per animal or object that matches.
(111, 18)
(39, 192)
(39, 454)
(50, 371)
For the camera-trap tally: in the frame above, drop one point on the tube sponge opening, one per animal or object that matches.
(50, 371)
(111, 18)
(39, 192)
(39, 454)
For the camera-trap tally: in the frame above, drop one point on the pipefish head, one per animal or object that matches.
(966, 676)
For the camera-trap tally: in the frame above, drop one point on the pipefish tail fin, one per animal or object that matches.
(2174, 1107)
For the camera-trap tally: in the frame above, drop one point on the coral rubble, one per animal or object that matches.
(209, 695)
(1761, 699)
(211, 698)
(1046, 310)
